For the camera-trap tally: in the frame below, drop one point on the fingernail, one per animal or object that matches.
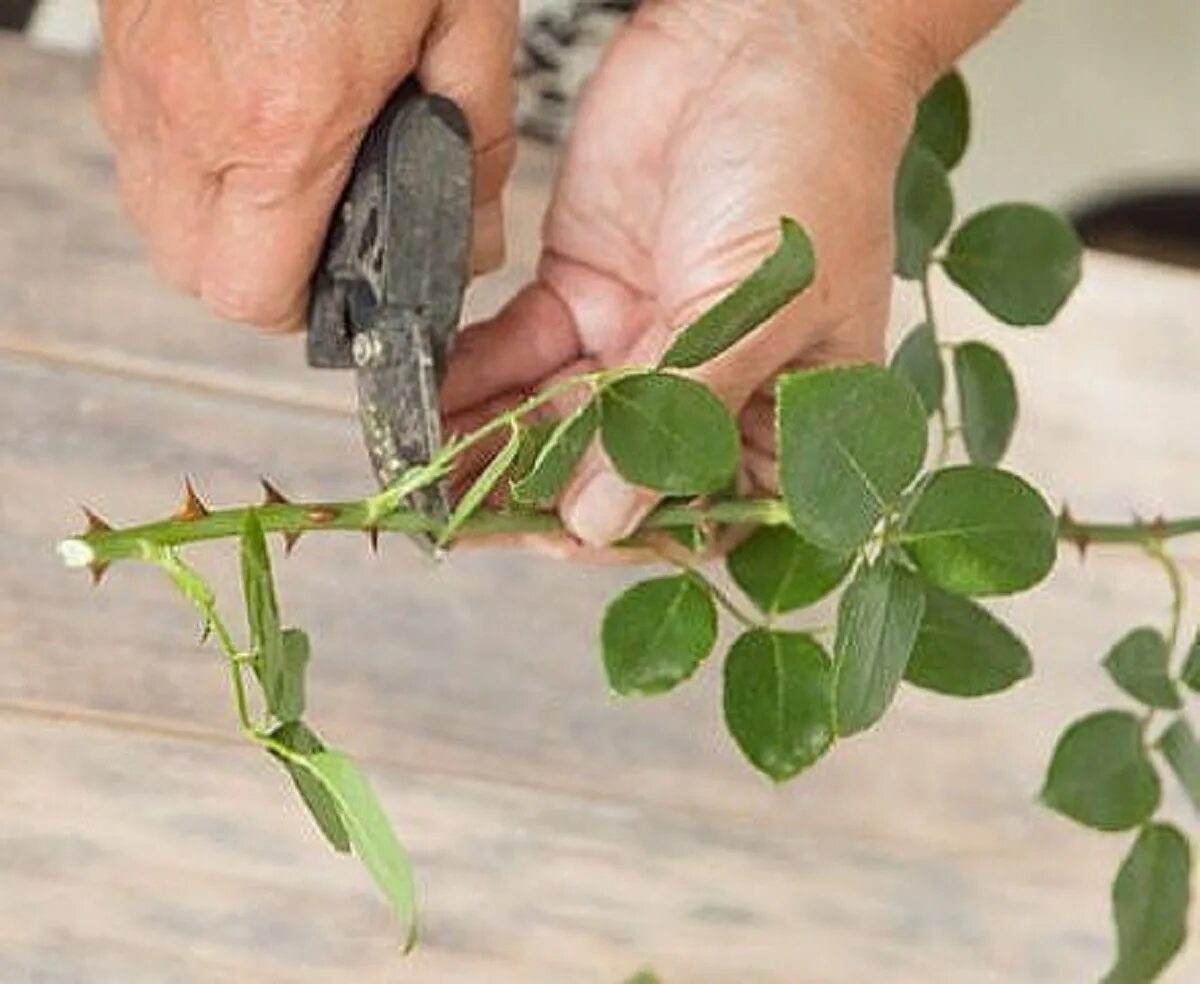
(605, 510)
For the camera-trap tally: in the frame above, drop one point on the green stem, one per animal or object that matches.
(1134, 534)
(1178, 591)
(101, 547)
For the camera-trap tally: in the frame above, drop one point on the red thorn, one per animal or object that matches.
(272, 495)
(289, 542)
(98, 570)
(373, 537)
(192, 508)
(321, 515)
(94, 523)
(205, 632)
(1158, 528)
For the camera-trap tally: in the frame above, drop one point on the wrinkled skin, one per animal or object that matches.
(236, 123)
(693, 139)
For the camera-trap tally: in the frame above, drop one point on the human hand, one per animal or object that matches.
(705, 124)
(236, 122)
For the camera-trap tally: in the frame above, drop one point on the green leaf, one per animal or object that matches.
(370, 833)
(262, 612)
(851, 439)
(962, 650)
(781, 572)
(878, 620)
(944, 119)
(1139, 665)
(534, 438)
(980, 531)
(1100, 774)
(1180, 748)
(782, 276)
(482, 487)
(656, 634)
(670, 434)
(289, 702)
(1151, 897)
(778, 701)
(559, 457)
(923, 208)
(1191, 666)
(1021, 262)
(301, 740)
(987, 400)
(919, 362)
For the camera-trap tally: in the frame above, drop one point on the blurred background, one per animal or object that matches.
(559, 835)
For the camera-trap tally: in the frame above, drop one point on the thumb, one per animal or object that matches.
(599, 507)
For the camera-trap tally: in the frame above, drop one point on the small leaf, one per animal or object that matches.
(483, 486)
(782, 276)
(1138, 664)
(980, 531)
(301, 740)
(559, 457)
(534, 438)
(919, 362)
(1021, 262)
(963, 650)
(850, 441)
(670, 434)
(1150, 899)
(987, 400)
(944, 119)
(370, 833)
(656, 634)
(289, 704)
(781, 572)
(1180, 748)
(923, 207)
(878, 620)
(1191, 666)
(262, 612)
(778, 701)
(1100, 775)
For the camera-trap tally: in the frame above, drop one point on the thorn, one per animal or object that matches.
(321, 515)
(94, 523)
(373, 537)
(272, 495)
(205, 632)
(98, 570)
(1081, 544)
(1158, 528)
(192, 508)
(289, 542)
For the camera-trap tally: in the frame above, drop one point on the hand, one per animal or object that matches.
(706, 123)
(236, 122)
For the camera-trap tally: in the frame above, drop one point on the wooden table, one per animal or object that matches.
(558, 835)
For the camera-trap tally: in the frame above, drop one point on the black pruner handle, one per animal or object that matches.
(400, 235)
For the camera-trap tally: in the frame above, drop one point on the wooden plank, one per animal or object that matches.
(77, 289)
(165, 859)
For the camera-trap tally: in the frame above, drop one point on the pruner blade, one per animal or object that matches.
(387, 294)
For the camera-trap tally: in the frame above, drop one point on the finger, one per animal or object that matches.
(468, 58)
(599, 507)
(530, 339)
(266, 234)
(179, 217)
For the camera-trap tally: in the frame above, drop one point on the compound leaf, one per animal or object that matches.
(781, 572)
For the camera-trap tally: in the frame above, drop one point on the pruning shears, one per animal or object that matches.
(387, 293)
